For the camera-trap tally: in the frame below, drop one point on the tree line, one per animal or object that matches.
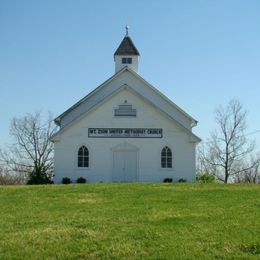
(227, 156)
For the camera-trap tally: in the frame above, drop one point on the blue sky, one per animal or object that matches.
(198, 53)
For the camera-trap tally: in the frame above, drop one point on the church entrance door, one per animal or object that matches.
(124, 166)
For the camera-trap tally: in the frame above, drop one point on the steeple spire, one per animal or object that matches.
(126, 54)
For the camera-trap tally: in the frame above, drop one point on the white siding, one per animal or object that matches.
(100, 149)
(119, 65)
(127, 78)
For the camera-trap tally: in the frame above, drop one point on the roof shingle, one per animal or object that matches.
(126, 47)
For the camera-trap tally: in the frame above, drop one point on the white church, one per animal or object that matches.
(125, 130)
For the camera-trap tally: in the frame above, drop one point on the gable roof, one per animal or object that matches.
(150, 93)
(126, 47)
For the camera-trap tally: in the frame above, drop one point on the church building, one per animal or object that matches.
(125, 130)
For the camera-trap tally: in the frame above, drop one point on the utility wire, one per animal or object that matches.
(252, 133)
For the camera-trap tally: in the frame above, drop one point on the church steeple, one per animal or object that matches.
(126, 54)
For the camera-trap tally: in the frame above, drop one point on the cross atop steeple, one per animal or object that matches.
(126, 30)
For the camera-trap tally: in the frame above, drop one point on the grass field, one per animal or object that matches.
(130, 221)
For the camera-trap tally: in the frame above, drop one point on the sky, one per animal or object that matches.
(200, 54)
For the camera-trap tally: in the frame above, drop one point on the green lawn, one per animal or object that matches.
(130, 221)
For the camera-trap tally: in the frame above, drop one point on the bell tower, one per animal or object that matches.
(126, 54)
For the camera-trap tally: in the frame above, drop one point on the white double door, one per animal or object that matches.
(125, 166)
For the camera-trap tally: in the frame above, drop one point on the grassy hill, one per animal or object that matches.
(130, 221)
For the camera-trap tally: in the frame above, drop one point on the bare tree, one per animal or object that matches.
(11, 178)
(32, 151)
(251, 174)
(227, 150)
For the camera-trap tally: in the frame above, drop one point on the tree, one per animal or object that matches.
(10, 178)
(251, 174)
(32, 151)
(227, 152)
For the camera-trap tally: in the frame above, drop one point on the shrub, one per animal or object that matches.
(66, 180)
(205, 178)
(182, 180)
(81, 180)
(167, 180)
(37, 177)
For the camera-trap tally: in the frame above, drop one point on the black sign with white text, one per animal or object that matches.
(125, 132)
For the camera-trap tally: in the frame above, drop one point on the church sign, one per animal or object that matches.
(125, 132)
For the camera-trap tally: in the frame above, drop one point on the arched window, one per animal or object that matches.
(83, 156)
(166, 157)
